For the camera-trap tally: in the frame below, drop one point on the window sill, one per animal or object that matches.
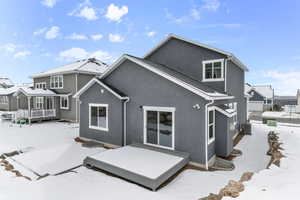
(64, 108)
(213, 80)
(210, 141)
(98, 128)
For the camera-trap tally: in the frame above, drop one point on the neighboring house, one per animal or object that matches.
(182, 96)
(261, 97)
(5, 82)
(7, 101)
(51, 95)
(285, 100)
(298, 97)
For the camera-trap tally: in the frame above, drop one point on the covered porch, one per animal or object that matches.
(36, 105)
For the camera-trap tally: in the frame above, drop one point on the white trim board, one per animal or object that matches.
(106, 117)
(204, 62)
(170, 36)
(179, 82)
(91, 83)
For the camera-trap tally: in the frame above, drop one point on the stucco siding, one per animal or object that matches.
(148, 89)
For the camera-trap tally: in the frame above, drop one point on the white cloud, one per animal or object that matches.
(115, 38)
(97, 37)
(176, 20)
(22, 54)
(40, 31)
(102, 55)
(211, 5)
(195, 13)
(9, 47)
(85, 10)
(151, 33)
(52, 33)
(49, 3)
(74, 53)
(115, 13)
(284, 82)
(76, 36)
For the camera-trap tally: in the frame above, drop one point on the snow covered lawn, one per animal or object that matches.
(275, 183)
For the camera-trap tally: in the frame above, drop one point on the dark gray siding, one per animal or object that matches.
(224, 133)
(186, 58)
(115, 116)
(235, 86)
(148, 89)
(11, 105)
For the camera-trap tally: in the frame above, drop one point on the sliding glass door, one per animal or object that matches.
(159, 126)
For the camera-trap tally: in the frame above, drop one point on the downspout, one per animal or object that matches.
(76, 100)
(225, 75)
(125, 121)
(206, 133)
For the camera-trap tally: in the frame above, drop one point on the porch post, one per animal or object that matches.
(29, 109)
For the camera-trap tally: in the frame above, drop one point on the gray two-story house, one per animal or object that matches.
(51, 95)
(182, 95)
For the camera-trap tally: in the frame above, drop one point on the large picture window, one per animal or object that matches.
(213, 70)
(56, 82)
(64, 102)
(211, 125)
(98, 116)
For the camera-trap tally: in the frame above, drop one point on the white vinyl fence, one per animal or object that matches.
(255, 106)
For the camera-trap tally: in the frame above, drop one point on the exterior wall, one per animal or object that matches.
(12, 103)
(4, 107)
(115, 116)
(235, 82)
(283, 102)
(70, 87)
(153, 90)
(186, 58)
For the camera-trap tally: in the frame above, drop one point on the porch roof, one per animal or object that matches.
(225, 110)
(35, 92)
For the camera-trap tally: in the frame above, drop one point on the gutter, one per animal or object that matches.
(125, 121)
(206, 133)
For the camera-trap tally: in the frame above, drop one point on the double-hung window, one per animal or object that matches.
(98, 116)
(39, 102)
(40, 85)
(64, 102)
(3, 100)
(211, 125)
(233, 106)
(56, 82)
(213, 70)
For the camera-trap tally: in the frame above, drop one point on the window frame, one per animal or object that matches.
(55, 82)
(158, 110)
(61, 102)
(39, 103)
(210, 140)
(204, 79)
(4, 100)
(106, 129)
(39, 84)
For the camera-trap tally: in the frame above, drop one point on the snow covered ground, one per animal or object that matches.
(190, 184)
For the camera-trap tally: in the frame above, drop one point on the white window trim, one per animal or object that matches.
(38, 85)
(212, 79)
(58, 77)
(4, 100)
(96, 127)
(210, 140)
(39, 101)
(159, 109)
(61, 106)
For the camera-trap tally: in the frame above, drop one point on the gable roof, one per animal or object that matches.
(6, 81)
(264, 90)
(87, 66)
(30, 92)
(8, 91)
(178, 78)
(173, 36)
(112, 90)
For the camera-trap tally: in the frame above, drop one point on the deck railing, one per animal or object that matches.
(35, 114)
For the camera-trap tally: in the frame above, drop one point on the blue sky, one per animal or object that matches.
(40, 35)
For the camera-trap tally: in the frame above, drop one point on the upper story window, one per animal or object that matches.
(40, 85)
(56, 82)
(213, 70)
